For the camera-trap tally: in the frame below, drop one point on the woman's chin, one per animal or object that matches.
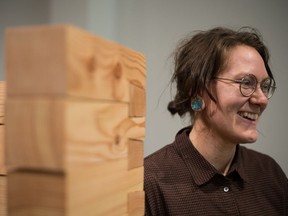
(250, 139)
(247, 136)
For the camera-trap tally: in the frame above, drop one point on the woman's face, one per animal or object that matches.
(234, 117)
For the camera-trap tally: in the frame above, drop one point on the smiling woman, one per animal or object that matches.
(224, 83)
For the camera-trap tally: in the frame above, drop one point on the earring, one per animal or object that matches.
(197, 104)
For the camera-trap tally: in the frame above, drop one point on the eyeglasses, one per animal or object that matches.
(249, 82)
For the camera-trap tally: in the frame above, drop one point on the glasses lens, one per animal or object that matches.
(248, 85)
(268, 87)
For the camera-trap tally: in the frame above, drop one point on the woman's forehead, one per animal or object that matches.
(243, 60)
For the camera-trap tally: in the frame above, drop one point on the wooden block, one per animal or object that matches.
(2, 101)
(35, 194)
(136, 203)
(108, 185)
(3, 195)
(2, 152)
(40, 139)
(2, 92)
(138, 101)
(3, 177)
(75, 114)
(135, 153)
(64, 60)
(2, 128)
(94, 189)
(52, 133)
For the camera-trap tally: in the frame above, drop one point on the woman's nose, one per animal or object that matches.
(258, 97)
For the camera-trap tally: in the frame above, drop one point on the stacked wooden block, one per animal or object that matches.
(75, 124)
(3, 172)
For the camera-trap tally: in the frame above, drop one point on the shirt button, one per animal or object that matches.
(226, 189)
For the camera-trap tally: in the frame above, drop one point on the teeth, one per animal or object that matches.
(252, 116)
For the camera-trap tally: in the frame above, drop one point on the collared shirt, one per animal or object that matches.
(178, 180)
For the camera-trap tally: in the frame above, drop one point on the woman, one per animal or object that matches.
(224, 83)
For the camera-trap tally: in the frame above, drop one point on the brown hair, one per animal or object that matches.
(198, 59)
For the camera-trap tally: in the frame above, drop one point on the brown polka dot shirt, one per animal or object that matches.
(179, 181)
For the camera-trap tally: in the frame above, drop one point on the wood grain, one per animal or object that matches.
(137, 101)
(3, 195)
(3, 170)
(108, 185)
(35, 133)
(2, 101)
(96, 189)
(135, 153)
(136, 203)
(74, 63)
(2, 127)
(74, 123)
(35, 194)
(52, 133)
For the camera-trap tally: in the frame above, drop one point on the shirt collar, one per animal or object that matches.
(201, 170)
(238, 164)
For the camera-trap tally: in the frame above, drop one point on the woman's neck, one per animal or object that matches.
(215, 150)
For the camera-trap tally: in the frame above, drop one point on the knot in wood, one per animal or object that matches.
(117, 71)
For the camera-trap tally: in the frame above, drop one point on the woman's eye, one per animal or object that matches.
(247, 83)
(266, 86)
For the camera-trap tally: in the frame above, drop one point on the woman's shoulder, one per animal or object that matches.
(166, 162)
(258, 162)
(253, 155)
(157, 159)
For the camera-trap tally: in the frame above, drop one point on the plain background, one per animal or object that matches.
(154, 27)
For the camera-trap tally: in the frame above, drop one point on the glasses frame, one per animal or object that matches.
(241, 82)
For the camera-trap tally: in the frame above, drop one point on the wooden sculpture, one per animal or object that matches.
(75, 123)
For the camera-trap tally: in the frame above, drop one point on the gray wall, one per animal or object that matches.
(153, 27)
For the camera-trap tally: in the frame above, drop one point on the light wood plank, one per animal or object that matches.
(138, 100)
(2, 92)
(136, 203)
(3, 195)
(135, 153)
(2, 101)
(76, 123)
(90, 190)
(2, 127)
(108, 184)
(74, 63)
(2, 152)
(54, 132)
(35, 135)
(94, 131)
(35, 194)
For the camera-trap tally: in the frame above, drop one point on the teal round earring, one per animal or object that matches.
(197, 104)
